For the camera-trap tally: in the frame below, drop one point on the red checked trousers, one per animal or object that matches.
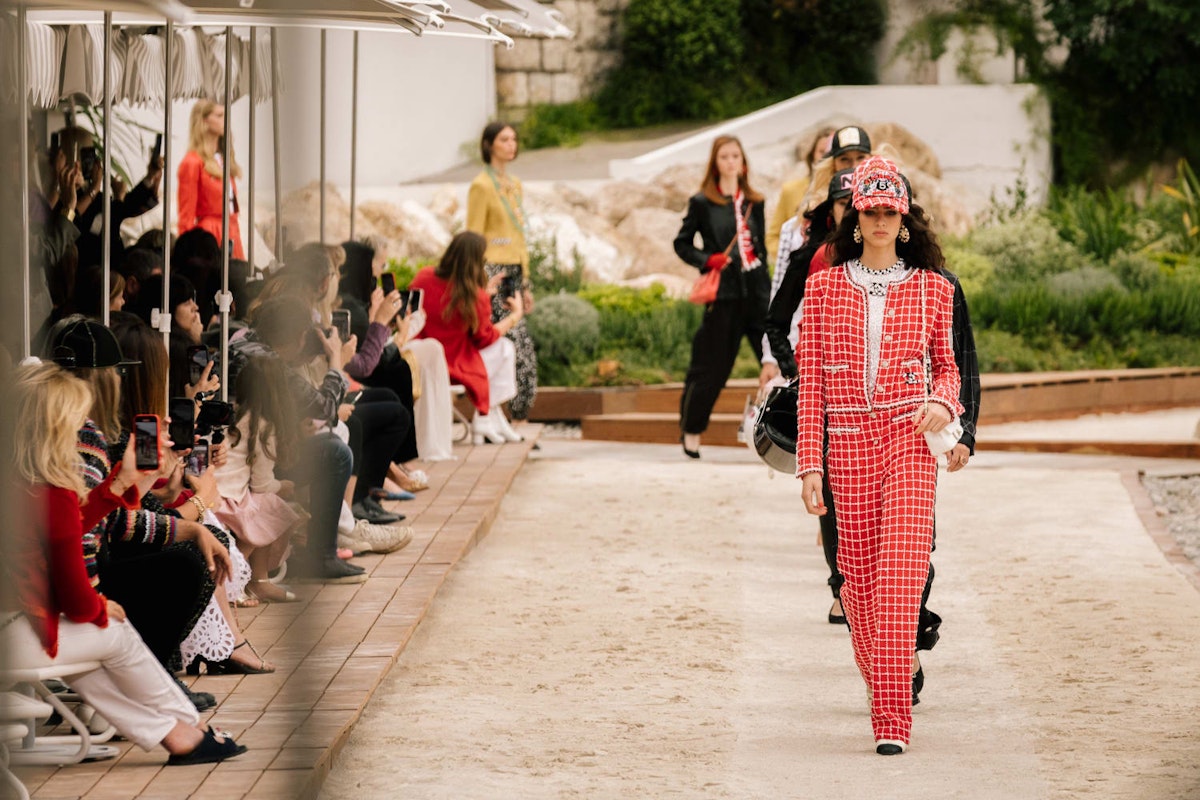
(883, 480)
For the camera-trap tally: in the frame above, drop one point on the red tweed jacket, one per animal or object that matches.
(832, 354)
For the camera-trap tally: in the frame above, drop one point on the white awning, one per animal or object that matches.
(516, 17)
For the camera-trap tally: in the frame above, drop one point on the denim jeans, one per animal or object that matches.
(325, 466)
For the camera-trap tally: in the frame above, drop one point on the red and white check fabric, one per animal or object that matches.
(880, 470)
(877, 182)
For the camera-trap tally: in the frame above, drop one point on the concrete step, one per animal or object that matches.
(658, 428)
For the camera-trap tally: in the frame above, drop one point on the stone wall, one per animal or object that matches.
(561, 70)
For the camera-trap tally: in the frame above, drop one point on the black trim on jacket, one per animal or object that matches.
(717, 226)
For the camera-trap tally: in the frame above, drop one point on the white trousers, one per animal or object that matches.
(432, 414)
(131, 689)
(500, 361)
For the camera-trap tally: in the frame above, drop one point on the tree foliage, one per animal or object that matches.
(1125, 93)
(705, 59)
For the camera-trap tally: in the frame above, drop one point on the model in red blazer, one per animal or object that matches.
(462, 347)
(200, 202)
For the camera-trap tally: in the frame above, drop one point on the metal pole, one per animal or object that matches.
(275, 138)
(226, 183)
(321, 230)
(106, 192)
(250, 164)
(23, 138)
(354, 138)
(168, 100)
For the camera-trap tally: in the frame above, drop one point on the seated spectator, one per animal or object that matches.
(458, 314)
(197, 257)
(380, 418)
(255, 504)
(281, 328)
(186, 330)
(370, 314)
(126, 202)
(62, 618)
(216, 641)
(89, 295)
(140, 263)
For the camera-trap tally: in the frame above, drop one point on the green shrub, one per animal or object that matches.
(405, 270)
(547, 125)
(1026, 248)
(974, 270)
(1082, 282)
(565, 331)
(1136, 270)
(547, 275)
(1098, 223)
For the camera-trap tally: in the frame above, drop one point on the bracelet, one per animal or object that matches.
(199, 504)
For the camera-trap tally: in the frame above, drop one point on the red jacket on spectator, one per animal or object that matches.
(462, 347)
(200, 202)
(51, 578)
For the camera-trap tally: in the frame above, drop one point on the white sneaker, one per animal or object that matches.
(368, 538)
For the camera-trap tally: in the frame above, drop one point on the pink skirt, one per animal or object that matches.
(260, 521)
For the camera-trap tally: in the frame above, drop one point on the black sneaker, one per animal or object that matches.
(212, 748)
(201, 700)
(369, 509)
(333, 570)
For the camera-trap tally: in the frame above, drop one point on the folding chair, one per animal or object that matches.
(83, 745)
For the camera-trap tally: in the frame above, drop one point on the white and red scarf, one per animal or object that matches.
(744, 242)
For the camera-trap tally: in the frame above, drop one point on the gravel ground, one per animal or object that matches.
(1177, 498)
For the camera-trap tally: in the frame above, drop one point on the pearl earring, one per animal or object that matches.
(857, 235)
(904, 234)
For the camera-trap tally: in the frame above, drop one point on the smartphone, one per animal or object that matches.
(341, 322)
(182, 429)
(405, 296)
(388, 281)
(54, 140)
(157, 151)
(198, 358)
(145, 442)
(416, 296)
(87, 161)
(197, 460)
(509, 286)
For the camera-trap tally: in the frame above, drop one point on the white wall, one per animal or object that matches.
(420, 100)
(985, 137)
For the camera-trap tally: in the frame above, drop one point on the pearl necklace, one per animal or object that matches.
(877, 288)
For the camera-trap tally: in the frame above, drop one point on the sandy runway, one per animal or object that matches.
(640, 627)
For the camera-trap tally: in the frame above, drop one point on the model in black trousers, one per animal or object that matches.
(714, 349)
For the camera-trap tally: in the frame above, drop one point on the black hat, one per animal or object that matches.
(841, 184)
(77, 342)
(849, 138)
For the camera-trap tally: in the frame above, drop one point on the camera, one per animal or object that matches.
(214, 417)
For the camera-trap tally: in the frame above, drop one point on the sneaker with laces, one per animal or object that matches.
(368, 538)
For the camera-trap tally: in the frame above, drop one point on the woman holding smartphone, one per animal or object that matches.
(495, 210)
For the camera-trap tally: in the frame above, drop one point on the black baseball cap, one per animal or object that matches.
(77, 342)
(841, 184)
(849, 138)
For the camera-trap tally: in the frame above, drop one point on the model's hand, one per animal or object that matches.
(958, 457)
(770, 371)
(208, 383)
(115, 611)
(814, 502)
(218, 455)
(931, 417)
(384, 308)
(220, 566)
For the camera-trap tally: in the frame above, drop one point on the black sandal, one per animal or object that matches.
(209, 751)
(230, 667)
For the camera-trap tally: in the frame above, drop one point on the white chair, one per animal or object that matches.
(457, 390)
(58, 750)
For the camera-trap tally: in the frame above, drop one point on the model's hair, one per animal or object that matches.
(820, 222)
(921, 251)
(143, 386)
(462, 268)
(711, 185)
(281, 321)
(490, 132)
(49, 407)
(272, 420)
(105, 385)
(811, 156)
(198, 140)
